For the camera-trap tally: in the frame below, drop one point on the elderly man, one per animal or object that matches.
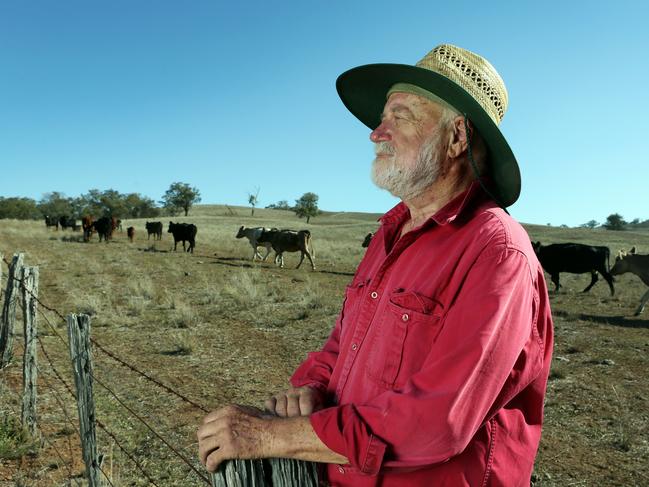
(436, 369)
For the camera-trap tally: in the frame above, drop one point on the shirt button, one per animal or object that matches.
(374, 295)
(405, 317)
(354, 346)
(340, 469)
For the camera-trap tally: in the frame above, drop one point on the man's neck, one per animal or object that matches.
(438, 195)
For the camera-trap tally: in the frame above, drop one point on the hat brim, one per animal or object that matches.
(363, 91)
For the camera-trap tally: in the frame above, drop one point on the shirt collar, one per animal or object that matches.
(444, 215)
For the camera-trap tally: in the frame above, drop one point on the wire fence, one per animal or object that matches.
(52, 371)
(57, 387)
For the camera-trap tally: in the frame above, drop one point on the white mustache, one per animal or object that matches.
(383, 148)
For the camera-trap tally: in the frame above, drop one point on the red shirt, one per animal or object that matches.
(436, 369)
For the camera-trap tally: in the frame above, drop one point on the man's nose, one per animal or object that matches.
(380, 134)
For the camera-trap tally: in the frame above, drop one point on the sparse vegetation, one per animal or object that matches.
(220, 329)
(14, 441)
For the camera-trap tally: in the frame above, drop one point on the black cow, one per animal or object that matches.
(184, 232)
(104, 228)
(576, 259)
(367, 240)
(155, 229)
(51, 221)
(68, 222)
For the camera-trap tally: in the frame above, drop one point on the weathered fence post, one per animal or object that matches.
(269, 472)
(8, 320)
(30, 362)
(79, 334)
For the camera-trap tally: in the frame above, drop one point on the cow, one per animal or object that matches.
(367, 240)
(636, 264)
(576, 259)
(130, 233)
(184, 232)
(289, 241)
(115, 223)
(253, 235)
(51, 221)
(104, 228)
(155, 229)
(88, 229)
(68, 222)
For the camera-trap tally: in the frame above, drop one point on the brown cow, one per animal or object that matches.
(289, 241)
(86, 224)
(130, 232)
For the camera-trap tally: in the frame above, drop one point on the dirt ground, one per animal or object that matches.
(218, 329)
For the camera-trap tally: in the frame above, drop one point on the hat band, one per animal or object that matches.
(416, 90)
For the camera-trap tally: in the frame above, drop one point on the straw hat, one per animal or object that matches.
(463, 79)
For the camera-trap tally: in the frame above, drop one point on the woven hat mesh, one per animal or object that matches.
(473, 73)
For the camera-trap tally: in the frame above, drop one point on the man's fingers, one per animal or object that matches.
(206, 447)
(213, 460)
(293, 405)
(281, 405)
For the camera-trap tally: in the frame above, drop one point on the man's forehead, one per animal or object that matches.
(410, 101)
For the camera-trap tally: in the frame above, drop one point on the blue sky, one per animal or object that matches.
(234, 96)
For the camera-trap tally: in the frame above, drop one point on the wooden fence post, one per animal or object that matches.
(79, 335)
(269, 472)
(8, 320)
(30, 362)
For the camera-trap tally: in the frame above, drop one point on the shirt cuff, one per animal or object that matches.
(343, 431)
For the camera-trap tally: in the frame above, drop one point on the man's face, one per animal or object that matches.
(408, 145)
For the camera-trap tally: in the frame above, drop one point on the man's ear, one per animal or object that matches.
(458, 137)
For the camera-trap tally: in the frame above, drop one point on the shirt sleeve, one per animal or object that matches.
(487, 351)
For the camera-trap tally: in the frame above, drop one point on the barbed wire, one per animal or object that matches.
(99, 423)
(105, 475)
(145, 423)
(145, 375)
(119, 445)
(56, 372)
(122, 362)
(107, 352)
(59, 401)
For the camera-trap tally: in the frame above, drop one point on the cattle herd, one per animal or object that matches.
(556, 258)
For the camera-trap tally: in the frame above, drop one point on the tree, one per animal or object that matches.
(280, 205)
(56, 205)
(590, 224)
(307, 206)
(180, 196)
(614, 222)
(19, 208)
(252, 200)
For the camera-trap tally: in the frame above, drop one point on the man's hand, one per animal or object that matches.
(233, 432)
(296, 401)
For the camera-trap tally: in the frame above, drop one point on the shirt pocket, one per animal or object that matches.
(404, 337)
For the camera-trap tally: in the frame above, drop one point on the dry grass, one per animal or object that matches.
(219, 328)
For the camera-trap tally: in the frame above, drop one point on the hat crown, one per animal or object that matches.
(471, 72)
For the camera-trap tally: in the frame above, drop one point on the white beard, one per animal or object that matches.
(407, 181)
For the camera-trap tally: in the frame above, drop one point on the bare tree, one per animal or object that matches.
(253, 199)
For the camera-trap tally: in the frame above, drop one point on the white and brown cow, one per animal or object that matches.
(253, 235)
